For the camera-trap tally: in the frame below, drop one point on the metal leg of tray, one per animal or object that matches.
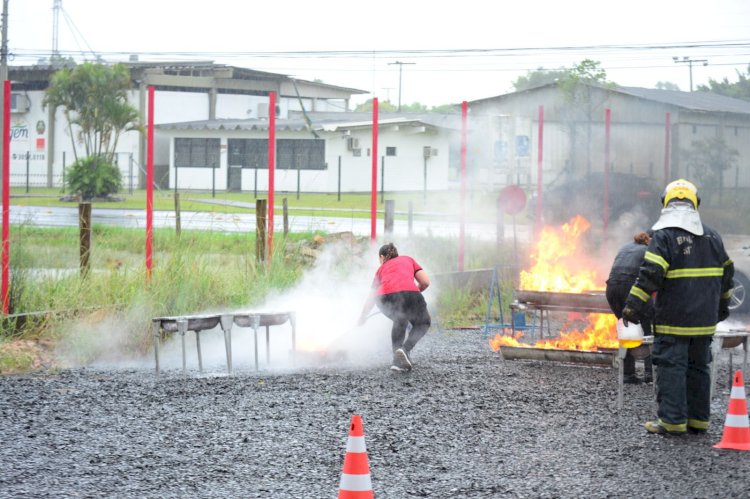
(226, 322)
(198, 346)
(716, 345)
(268, 345)
(156, 331)
(256, 324)
(293, 322)
(621, 353)
(182, 329)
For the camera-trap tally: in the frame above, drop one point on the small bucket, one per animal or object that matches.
(630, 336)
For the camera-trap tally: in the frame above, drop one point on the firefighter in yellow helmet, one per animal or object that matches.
(689, 269)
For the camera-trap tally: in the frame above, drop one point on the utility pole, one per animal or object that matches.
(56, 6)
(400, 68)
(4, 47)
(3, 67)
(690, 62)
(387, 93)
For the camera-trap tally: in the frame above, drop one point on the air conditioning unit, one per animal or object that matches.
(352, 143)
(263, 110)
(19, 103)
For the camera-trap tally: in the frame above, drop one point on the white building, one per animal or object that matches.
(317, 152)
(41, 143)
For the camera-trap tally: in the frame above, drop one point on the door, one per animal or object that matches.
(234, 178)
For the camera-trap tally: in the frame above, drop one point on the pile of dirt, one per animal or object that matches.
(463, 423)
(24, 356)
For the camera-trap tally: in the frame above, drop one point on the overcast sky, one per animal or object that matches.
(451, 52)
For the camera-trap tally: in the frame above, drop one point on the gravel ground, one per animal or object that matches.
(463, 423)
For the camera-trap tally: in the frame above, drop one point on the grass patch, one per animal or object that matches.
(199, 271)
(481, 206)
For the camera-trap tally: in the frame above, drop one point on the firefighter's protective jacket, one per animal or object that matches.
(692, 277)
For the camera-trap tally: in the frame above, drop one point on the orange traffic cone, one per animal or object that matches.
(736, 428)
(355, 477)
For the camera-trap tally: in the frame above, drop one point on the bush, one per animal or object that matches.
(93, 177)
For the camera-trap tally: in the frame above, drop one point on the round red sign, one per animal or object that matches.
(512, 200)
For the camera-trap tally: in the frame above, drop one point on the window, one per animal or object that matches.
(196, 153)
(302, 154)
(291, 154)
(248, 153)
(390, 151)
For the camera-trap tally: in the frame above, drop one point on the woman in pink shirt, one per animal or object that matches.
(397, 291)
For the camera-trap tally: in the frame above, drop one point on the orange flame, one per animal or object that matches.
(597, 332)
(556, 258)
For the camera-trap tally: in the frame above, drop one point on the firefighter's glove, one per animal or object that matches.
(723, 310)
(630, 315)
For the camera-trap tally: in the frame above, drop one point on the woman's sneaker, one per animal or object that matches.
(401, 361)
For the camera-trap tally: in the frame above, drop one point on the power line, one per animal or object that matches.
(413, 53)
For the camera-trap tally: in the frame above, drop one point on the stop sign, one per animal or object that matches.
(512, 200)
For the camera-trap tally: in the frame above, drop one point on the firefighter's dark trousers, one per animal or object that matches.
(404, 308)
(683, 379)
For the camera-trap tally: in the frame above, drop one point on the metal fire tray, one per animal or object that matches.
(590, 301)
(198, 323)
(194, 322)
(549, 301)
(256, 320)
(605, 358)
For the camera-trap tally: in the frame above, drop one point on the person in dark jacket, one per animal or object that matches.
(621, 278)
(689, 269)
(397, 292)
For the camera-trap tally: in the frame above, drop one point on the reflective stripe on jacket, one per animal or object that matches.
(692, 276)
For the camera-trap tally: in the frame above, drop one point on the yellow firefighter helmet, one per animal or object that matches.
(680, 189)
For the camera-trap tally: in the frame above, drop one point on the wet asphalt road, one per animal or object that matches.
(464, 423)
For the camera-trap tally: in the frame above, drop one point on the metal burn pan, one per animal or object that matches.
(556, 355)
(194, 322)
(252, 319)
(593, 301)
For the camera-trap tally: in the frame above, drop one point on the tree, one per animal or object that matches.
(666, 85)
(538, 77)
(707, 160)
(578, 106)
(414, 107)
(93, 177)
(739, 90)
(95, 104)
(383, 107)
(446, 108)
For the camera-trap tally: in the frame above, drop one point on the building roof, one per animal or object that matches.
(42, 71)
(692, 101)
(329, 122)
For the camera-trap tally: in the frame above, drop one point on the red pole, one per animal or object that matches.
(271, 170)
(374, 182)
(667, 146)
(462, 223)
(6, 197)
(607, 128)
(539, 158)
(150, 182)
